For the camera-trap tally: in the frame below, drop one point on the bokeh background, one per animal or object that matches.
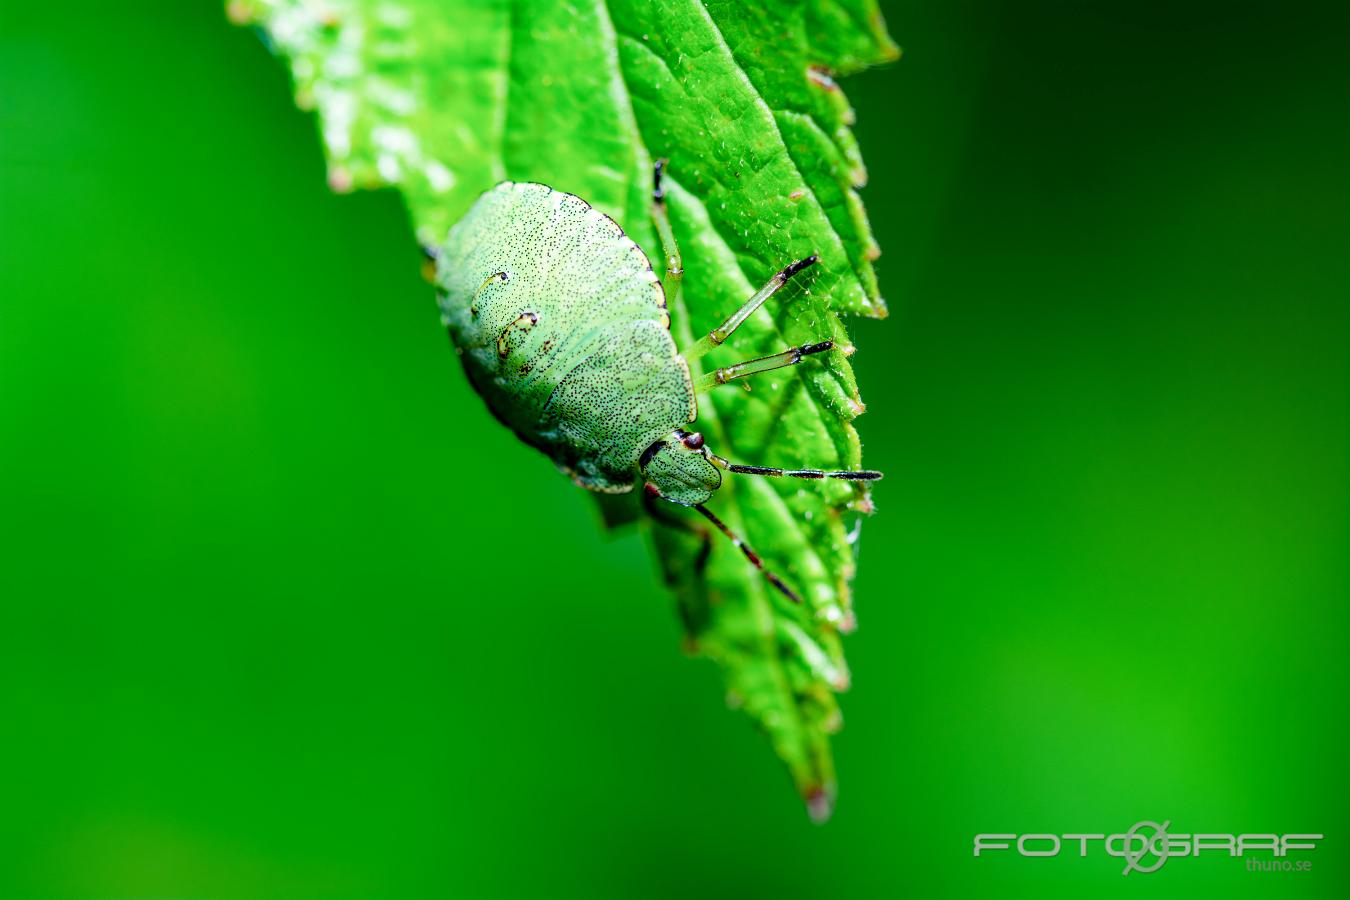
(264, 626)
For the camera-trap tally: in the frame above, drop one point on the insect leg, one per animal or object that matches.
(789, 357)
(769, 471)
(749, 554)
(674, 267)
(430, 256)
(724, 331)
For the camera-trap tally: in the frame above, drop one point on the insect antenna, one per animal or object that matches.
(814, 474)
(862, 475)
(749, 554)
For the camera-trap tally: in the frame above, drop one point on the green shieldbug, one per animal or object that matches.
(562, 325)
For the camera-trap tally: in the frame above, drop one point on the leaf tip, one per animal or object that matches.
(820, 804)
(340, 179)
(864, 504)
(890, 50)
(240, 12)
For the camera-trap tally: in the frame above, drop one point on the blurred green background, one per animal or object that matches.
(264, 628)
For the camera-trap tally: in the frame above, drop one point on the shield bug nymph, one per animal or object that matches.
(563, 328)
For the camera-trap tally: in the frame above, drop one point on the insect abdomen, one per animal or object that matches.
(562, 328)
(615, 403)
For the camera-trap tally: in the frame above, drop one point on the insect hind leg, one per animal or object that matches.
(719, 334)
(671, 249)
(788, 357)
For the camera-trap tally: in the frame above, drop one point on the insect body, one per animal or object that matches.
(563, 328)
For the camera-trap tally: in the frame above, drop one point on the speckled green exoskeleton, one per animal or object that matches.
(563, 327)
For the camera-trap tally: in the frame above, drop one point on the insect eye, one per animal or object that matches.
(694, 441)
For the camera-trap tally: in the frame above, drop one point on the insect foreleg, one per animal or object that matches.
(789, 357)
(719, 334)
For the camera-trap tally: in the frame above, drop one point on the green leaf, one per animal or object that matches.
(444, 99)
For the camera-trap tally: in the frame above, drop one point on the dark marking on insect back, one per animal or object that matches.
(495, 277)
(523, 322)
